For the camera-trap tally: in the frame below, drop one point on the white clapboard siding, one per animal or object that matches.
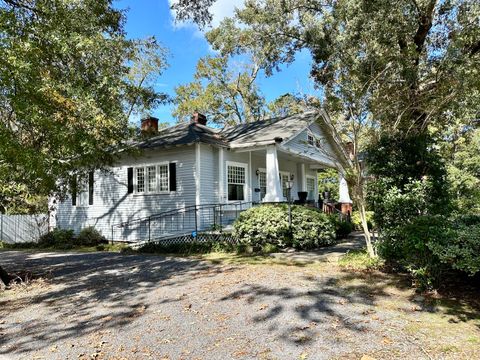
(22, 228)
(299, 145)
(112, 204)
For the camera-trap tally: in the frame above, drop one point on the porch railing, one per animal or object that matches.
(187, 220)
(191, 221)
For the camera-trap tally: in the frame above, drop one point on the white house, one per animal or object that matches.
(191, 176)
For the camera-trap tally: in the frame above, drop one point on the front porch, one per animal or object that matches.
(271, 174)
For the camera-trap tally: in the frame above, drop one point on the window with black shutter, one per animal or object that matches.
(130, 180)
(73, 186)
(90, 187)
(173, 176)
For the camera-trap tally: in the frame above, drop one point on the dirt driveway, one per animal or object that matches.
(112, 306)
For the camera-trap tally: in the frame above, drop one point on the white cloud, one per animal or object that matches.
(224, 8)
(220, 10)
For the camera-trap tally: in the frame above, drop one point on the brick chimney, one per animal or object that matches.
(199, 118)
(149, 125)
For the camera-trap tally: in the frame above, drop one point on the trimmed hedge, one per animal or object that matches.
(268, 224)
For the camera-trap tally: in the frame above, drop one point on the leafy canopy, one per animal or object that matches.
(227, 94)
(69, 78)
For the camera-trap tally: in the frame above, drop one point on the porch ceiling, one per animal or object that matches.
(284, 155)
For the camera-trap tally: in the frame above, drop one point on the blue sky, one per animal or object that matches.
(186, 45)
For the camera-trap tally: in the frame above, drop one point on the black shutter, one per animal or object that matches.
(90, 188)
(173, 176)
(73, 186)
(130, 180)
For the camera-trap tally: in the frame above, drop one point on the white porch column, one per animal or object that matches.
(274, 188)
(221, 177)
(344, 196)
(303, 178)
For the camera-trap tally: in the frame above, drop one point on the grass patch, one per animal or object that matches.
(359, 260)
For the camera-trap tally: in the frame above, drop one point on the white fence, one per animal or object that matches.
(22, 228)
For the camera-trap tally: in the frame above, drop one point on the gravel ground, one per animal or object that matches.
(113, 306)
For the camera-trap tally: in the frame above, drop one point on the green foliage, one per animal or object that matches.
(356, 221)
(461, 251)
(389, 69)
(467, 219)
(268, 224)
(328, 181)
(408, 246)
(17, 199)
(58, 238)
(410, 180)
(430, 246)
(285, 105)
(68, 79)
(461, 149)
(65, 239)
(269, 248)
(343, 228)
(225, 95)
(359, 260)
(89, 236)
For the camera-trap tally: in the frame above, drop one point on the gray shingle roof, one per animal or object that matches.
(260, 132)
(183, 134)
(268, 130)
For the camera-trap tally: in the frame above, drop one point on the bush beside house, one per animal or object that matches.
(66, 239)
(268, 224)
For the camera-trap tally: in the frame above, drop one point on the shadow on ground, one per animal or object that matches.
(91, 292)
(295, 305)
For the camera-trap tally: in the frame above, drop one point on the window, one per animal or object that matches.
(317, 143)
(236, 176)
(310, 139)
(163, 177)
(82, 194)
(140, 180)
(311, 187)
(262, 184)
(82, 190)
(284, 177)
(152, 179)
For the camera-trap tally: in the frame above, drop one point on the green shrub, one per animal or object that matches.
(261, 225)
(89, 236)
(467, 219)
(268, 224)
(431, 246)
(57, 238)
(462, 251)
(343, 229)
(357, 224)
(269, 248)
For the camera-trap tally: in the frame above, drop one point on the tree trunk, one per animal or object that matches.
(4, 276)
(366, 231)
(360, 202)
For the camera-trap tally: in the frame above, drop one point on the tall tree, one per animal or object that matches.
(66, 89)
(227, 94)
(287, 104)
(400, 67)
